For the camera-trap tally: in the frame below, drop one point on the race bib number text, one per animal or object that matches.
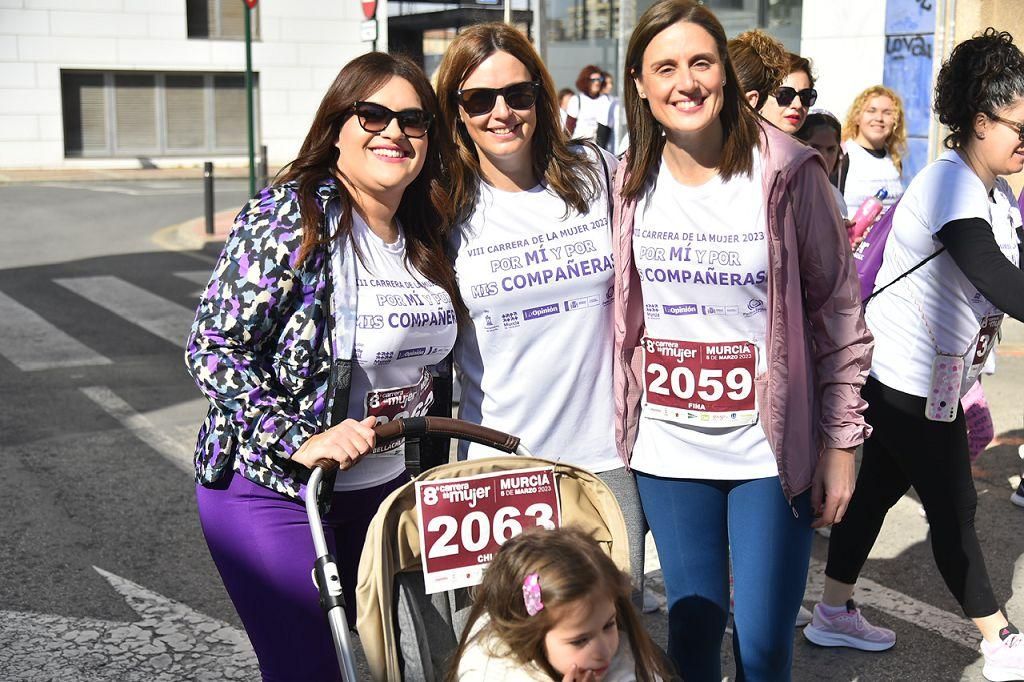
(700, 384)
(463, 521)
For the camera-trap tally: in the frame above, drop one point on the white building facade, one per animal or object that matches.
(129, 83)
(125, 83)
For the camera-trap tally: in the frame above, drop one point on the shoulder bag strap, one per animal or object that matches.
(340, 381)
(911, 270)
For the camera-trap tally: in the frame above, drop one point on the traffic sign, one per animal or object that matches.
(369, 8)
(368, 30)
(251, 4)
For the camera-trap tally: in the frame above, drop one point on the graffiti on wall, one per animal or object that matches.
(909, 50)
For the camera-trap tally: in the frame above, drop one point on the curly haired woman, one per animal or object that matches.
(876, 139)
(953, 260)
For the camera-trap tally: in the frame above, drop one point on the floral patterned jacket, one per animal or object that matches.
(259, 346)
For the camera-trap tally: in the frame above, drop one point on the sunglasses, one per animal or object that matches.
(1019, 127)
(786, 94)
(375, 118)
(597, 79)
(477, 101)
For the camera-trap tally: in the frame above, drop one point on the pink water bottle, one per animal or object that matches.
(866, 215)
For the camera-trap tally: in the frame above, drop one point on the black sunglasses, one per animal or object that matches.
(785, 94)
(477, 101)
(1019, 127)
(375, 118)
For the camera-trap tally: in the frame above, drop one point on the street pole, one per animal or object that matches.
(248, 97)
(508, 11)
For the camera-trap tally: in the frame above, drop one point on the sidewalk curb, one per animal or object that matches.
(191, 235)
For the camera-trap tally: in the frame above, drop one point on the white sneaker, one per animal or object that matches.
(1018, 495)
(803, 617)
(1004, 660)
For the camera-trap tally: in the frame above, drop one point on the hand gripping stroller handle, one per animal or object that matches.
(415, 427)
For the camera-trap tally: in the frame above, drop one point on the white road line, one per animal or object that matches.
(176, 452)
(954, 627)
(132, 191)
(200, 277)
(155, 314)
(33, 344)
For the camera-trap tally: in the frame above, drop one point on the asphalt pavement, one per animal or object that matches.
(104, 573)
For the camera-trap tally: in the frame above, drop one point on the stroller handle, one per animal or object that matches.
(415, 427)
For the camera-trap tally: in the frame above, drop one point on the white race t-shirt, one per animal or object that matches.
(537, 360)
(867, 175)
(588, 112)
(404, 324)
(702, 256)
(938, 292)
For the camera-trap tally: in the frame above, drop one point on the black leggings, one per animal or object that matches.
(906, 449)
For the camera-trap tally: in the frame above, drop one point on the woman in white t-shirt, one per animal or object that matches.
(533, 260)
(739, 345)
(590, 114)
(951, 271)
(875, 139)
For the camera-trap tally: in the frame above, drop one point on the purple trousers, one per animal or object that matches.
(261, 544)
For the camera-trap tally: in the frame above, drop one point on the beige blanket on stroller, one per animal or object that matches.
(393, 544)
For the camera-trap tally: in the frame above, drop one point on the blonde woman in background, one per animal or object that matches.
(875, 140)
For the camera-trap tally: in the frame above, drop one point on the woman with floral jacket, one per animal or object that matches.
(329, 303)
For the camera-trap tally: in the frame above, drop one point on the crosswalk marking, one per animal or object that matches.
(200, 277)
(32, 344)
(155, 314)
(178, 453)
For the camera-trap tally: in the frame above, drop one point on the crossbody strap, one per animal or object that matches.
(911, 270)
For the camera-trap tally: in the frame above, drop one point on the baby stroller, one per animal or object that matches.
(405, 632)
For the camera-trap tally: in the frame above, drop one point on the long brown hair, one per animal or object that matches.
(576, 182)
(740, 129)
(571, 568)
(896, 143)
(761, 63)
(425, 210)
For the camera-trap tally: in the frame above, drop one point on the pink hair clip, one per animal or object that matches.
(531, 594)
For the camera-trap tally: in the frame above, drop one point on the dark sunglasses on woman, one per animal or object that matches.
(785, 94)
(375, 118)
(477, 101)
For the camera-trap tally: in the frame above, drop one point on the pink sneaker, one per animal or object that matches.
(1004, 660)
(847, 628)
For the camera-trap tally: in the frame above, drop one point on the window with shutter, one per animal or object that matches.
(229, 108)
(85, 114)
(220, 19)
(185, 102)
(135, 114)
(121, 113)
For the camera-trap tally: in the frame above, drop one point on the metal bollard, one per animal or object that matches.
(208, 194)
(263, 171)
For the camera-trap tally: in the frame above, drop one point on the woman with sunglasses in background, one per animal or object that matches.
(959, 222)
(590, 113)
(332, 296)
(787, 107)
(875, 139)
(533, 260)
(740, 347)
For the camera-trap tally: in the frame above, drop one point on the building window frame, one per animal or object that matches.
(113, 148)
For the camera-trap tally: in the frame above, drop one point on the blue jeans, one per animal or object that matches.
(697, 526)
